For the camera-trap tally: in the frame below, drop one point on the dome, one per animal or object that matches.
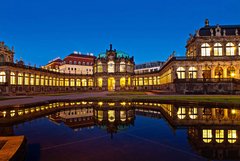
(119, 54)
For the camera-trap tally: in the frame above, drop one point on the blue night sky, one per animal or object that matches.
(148, 30)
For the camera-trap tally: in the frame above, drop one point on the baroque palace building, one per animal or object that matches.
(211, 65)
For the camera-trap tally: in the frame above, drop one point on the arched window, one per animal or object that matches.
(70, 62)
(219, 135)
(122, 67)
(78, 82)
(2, 77)
(46, 81)
(66, 82)
(20, 78)
(206, 72)
(61, 82)
(217, 49)
(84, 82)
(205, 49)
(192, 72)
(193, 113)
(54, 81)
(230, 49)
(99, 67)
(50, 81)
(181, 73)
(100, 82)
(90, 83)
(231, 72)
(122, 82)
(42, 80)
(140, 81)
(238, 49)
(232, 136)
(12, 78)
(181, 113)
(207, 135)
(219, 72)
(72, 82)
(111, 67)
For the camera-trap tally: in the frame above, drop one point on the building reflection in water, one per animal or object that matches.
(213, 132)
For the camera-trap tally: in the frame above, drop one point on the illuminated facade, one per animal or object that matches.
(211, 65)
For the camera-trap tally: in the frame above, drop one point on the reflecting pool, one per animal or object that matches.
(125, 131)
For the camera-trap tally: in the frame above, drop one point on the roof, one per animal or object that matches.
(81, 55)
(119, 54)
(230, 30)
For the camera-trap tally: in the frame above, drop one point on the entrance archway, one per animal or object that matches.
(111, 84)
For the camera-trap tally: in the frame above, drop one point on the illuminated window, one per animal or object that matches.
(72, 82)
(2, 77)
(99, 67)
(219, 135)
(129, 81)
(42, 80)
(90, 82)
(150, 81)
(154, 80)
(84, 82)
(26, 79)
(32, 79)
(20, 78)
(12, 78)
(122, 82)
(219, 72)
(230, 49)
(205, 49)
(50, 81)
(181, 73)
(57, 81)
(217, 49)
(37, 80)
(207, 135)
(192, 72)
(158, 80)
(66, 82)
(231, 72)
(111, 115)
(111, 67)
(232, 136)
(145, 81)
(46, 81)
(61, 83)
(54, 81)
(123, 115)
(192, 113)
(78, 82)
(100, 115)
(122, 67)
(238, 49)
(140, 81)
(181, 113)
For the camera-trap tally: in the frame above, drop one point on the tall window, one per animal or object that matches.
(78, 82)
(205, 49)
(20, 78)
(90, 82)
(192, 113)
(12, 78)
(207, 135)
(42, 80)
(145, 81)
(50, 81)
(72, 82)
(192, 72)
(181, 73)
(238, 49)
(122, 82)
(61, 82)
(37, 80)
(66, 82)
(46, 81)
(122, 67)
(230, 49)
(219, 135)
(26, 80)
(84, 82)
(100, 82)
(140, 81)
(32, 79)
(2, 77)
(99, 67)
(110, 67)
(54, 81)
(232, 136)
(217, 49)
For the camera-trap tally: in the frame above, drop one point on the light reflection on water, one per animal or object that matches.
(125, 131)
